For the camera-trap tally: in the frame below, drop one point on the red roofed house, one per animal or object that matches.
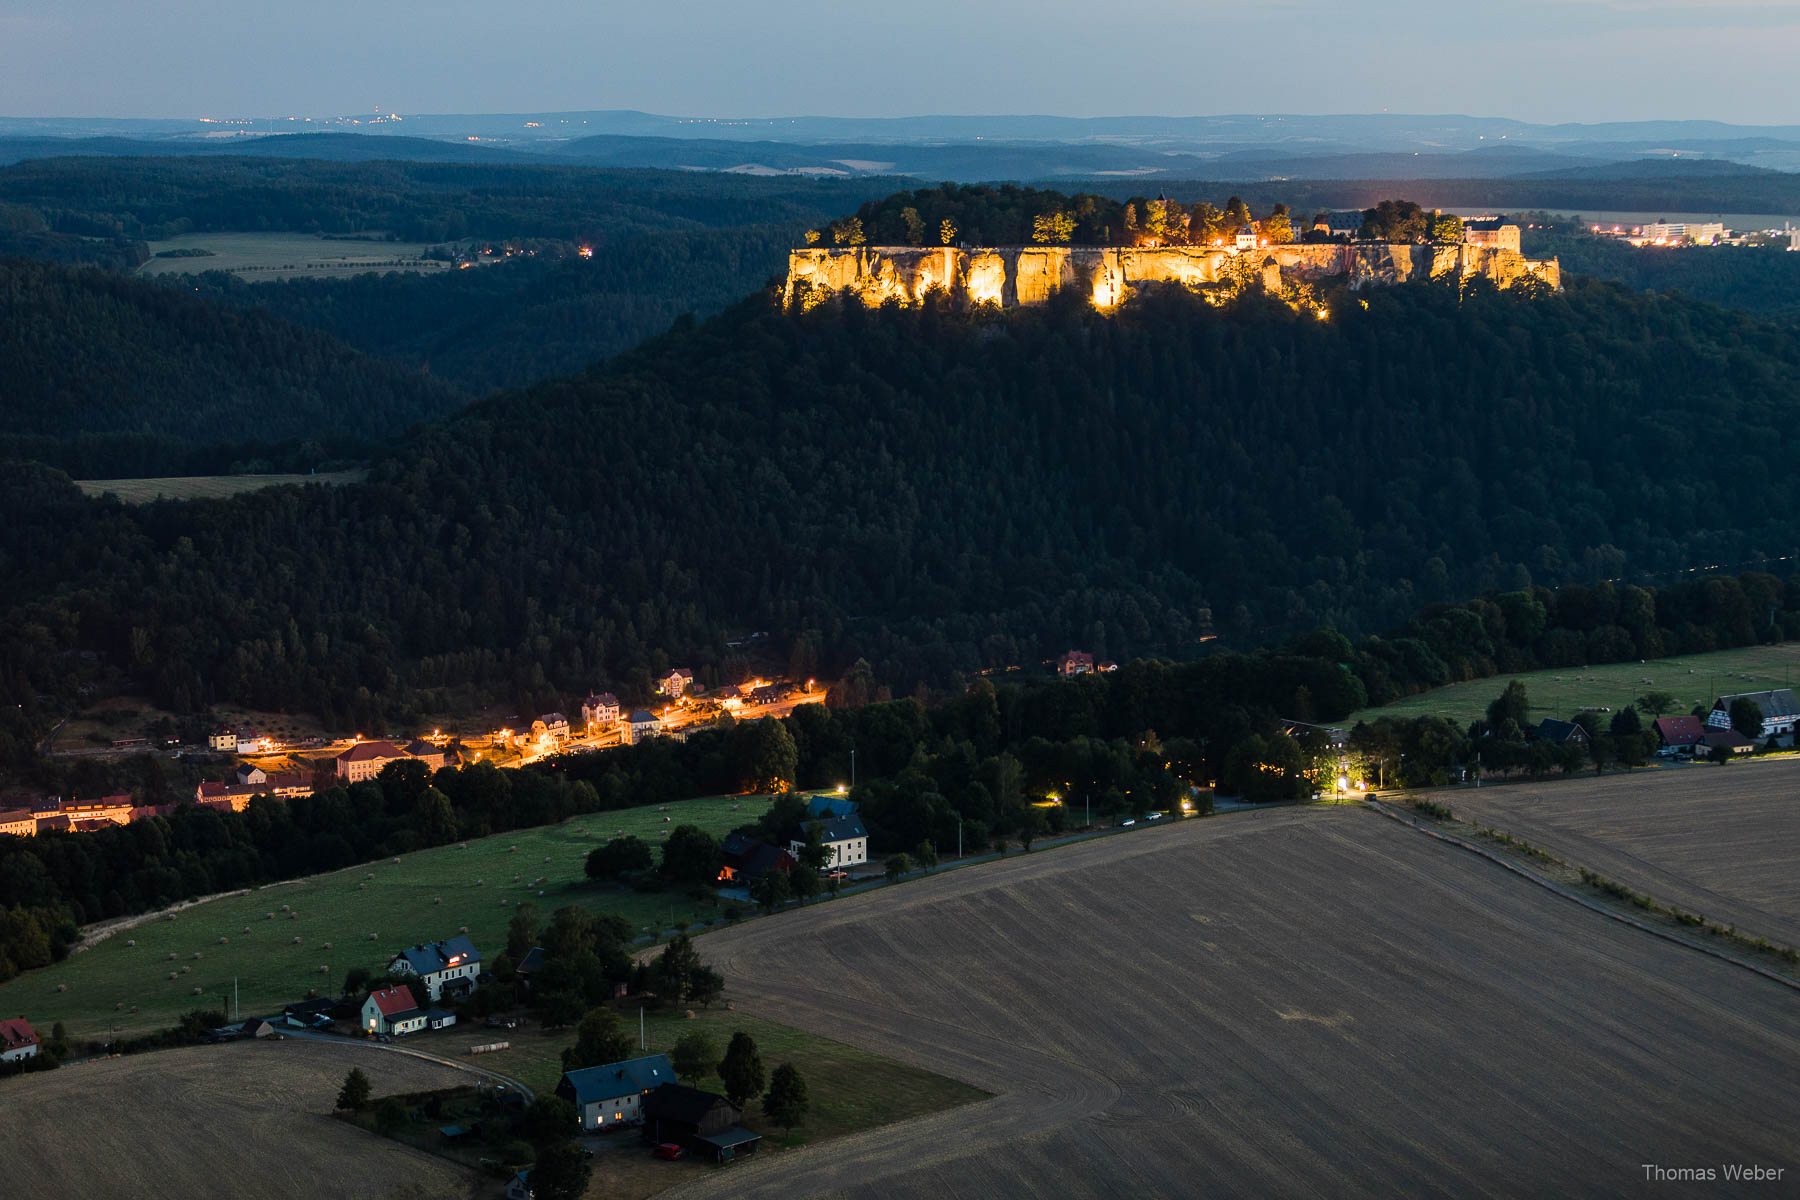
(365, 760)
(1075, 662)
(1731, 739)
(18, 1040)
(392, 1011)
(97, 814)
(1680, 735)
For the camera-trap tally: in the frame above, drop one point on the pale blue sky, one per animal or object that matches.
(1538, 60)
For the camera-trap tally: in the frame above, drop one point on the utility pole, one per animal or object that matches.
(959, 837)
(853, 766)
(236, 1012)
(642, 1044)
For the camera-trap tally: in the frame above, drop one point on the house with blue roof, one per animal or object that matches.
(612, 1096)
(828, 807)
(448, 966)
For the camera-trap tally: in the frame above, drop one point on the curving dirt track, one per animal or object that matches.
(1291, 1003)
(1719, 841)
(237, 1121)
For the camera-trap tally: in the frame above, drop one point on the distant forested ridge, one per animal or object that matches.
(99, 371)
(940, 492)
(155, 198)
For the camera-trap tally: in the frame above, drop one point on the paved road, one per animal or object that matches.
(307, 1035)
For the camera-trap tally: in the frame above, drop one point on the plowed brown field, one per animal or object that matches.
(1306, 1002)
(237, 1121)
(1720, 841)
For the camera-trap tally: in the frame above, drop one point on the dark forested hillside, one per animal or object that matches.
(939, 491)
(89, 358)
(529, 318)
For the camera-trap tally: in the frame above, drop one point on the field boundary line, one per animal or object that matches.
(1592, 906)
(479, 1072)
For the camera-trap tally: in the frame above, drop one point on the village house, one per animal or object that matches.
(1557, 732)
(249, 741)
(223, 740)
(392, 1011)
(769, 693)
(639, 725)
(432, 755)
(452, 966)
(843, 837)
(18, 1040)
(97, 814)
(600, 711)
(556, 725)
(19, 822)
(1495, 232)
(1680, 735)
(728, 696)
(251, 773)
(743, 859)
(1779, 712)
(1075, 662)
(365, 760)
(612, 1096)
(519, 1186)
(1244, 238)
(703, 1123)
(1731, 739)
(675, 684)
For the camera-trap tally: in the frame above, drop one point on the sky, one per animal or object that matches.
(1535, 60)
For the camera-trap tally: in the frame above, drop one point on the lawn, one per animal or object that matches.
(205, 487)
(273, 942)
(1692, 679)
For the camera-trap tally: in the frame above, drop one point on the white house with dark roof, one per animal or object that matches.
(844, 837)
(676, 683)
(392, 1011)
(1780, 712)
(612, 1096)
(452, 965)
(639, 725)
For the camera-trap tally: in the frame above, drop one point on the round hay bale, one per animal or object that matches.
(464, 929)
(174, 974)
(324, 970)
(370, 875)
(130, 942)
(173, 957)
(294, 917)
(268, 916)
(362, 887)
(503, 903)
(296, 941)
(196, 954)
(480, 882)
(62, 987)
(396, 860)
(540, 891)
(328, 945)
(515, 879)
(119, 1007)
(196, 991)
(546, 858)
(224, 941)
(169, 917)
(371, 937)
(688, 1015)
(464, 846)
(512, 849)
(185, 970)
(246, 929)
(437, 899)
(284, 908)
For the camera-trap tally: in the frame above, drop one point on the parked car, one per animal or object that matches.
(1128, 821)
(668, 1151)
(502, 1023)
(1154, 817)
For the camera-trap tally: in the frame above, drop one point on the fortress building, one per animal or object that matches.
(1024, 275)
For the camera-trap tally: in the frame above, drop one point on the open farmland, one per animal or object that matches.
(257, 256)
(1718, 841)
(327, 920)
(205, 487)
(1311, 1002)
(219, 1121)
(1692, 679)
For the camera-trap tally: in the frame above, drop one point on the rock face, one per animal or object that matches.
(1026, 275)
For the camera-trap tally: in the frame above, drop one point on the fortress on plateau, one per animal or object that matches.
(1026, 275)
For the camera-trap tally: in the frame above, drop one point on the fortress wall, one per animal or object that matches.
(1028, 275)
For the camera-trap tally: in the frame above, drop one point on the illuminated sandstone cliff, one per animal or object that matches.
(1023, 275)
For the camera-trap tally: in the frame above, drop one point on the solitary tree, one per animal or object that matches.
(390, 1115)
(694, 1056)
(617, 857)
(671, 975)
(741, 1071)
(560, 1173)
(925, 854)
(599, 1040)
(772, 891)
(704, 986)
(897, 866)
(786, 1103)
(354, 1095)
(1054, 228)
(1747, 717)
(1656, 703)
(803, 881)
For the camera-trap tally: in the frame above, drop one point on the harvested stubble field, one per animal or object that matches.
(258, 256)
(326, 920)
(1692, 679)
(1312, 1002)
(1718, 841)
(234, 1122)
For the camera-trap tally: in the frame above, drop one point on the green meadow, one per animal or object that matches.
(1692, 679)
(276, 942)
